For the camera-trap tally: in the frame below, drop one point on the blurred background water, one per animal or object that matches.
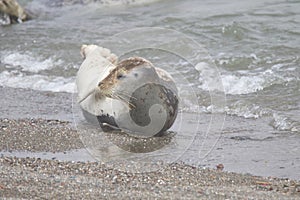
(255, 46)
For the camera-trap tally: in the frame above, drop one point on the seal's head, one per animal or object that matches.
(126, 71)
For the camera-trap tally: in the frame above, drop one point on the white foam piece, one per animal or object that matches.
(37, 82)
(28, 61)
(240, 82)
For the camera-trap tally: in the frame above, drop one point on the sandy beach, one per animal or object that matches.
(36, 178)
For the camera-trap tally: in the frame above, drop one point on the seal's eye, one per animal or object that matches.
(119, 76)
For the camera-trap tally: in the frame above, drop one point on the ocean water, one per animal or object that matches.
(243, 78)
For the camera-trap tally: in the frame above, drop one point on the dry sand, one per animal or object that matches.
(35, 178)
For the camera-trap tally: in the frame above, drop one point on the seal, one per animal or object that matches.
(131, 95)
(13, 11)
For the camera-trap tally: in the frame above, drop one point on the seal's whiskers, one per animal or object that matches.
(122, 97)
(126, 94)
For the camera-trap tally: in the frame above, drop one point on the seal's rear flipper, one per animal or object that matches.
(105, 53)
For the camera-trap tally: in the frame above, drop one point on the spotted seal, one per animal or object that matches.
(131, 95)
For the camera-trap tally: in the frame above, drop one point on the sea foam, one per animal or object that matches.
(37, 82)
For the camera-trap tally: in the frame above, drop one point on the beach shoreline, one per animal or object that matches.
(36, 178)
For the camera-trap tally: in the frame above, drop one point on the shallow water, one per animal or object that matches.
(78, 155)
(254, 46)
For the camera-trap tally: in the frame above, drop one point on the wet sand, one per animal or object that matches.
(36, 178)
